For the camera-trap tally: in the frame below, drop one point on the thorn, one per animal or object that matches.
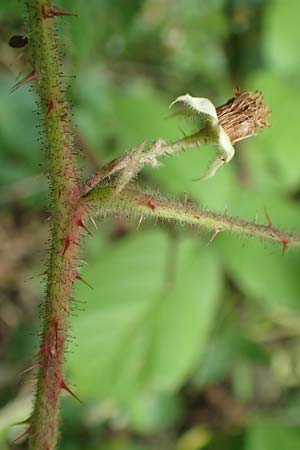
(268, 218)
(214, 235)
(23, 422)
(82, 225)
(151, 205)
(67, 389)
(24, 69)
(140, 221)
(31, 76)
(51, 106)
(78, 277)
(67, 245)
(51, 11)
(34, 366)
(44, 350)
(24, 433)
(285, 243)
(38, 275)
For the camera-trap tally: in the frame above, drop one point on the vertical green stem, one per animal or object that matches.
(65, 232)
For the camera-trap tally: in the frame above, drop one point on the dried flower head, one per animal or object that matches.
(243, 115)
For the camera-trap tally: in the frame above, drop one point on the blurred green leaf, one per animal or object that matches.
(282, 35)
(273, 154)
(120, 444)
(17, 124)
(263, 274)
(194, 438)
(227, 348)
(152, 413)
(141, 112)
(138, 336)
(267, 435)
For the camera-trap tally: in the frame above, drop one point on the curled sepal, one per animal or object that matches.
(224, 155)
(189, 106)
(203, 108)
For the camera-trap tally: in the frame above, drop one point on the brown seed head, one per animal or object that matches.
(244, 115)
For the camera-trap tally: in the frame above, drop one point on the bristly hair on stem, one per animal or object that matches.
(133, 201)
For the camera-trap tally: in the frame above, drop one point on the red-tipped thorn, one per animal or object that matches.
(151, 205)
(50, 11)
(268, 218)
(78, 277)
(31, 76)
(44, 350)
(51, 105)
(24, 433)
(285, 244)
(34, 366)
(67, 245)
(67, 389)
(214, 235)
(24, 422)
(38, 275)
(82, 225)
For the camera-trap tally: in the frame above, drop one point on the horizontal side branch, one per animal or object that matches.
(132, 201)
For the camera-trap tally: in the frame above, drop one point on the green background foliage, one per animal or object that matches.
(182, 344)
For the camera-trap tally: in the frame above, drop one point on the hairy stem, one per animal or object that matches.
(132, 201)
(150, 158)
(65, 232)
